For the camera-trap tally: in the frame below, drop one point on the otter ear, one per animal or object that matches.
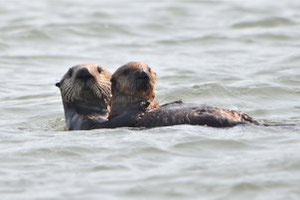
(152, 72)
(57, 84)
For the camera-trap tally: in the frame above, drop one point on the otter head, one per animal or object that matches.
(132, 84)
(87, 85)
(134, 79)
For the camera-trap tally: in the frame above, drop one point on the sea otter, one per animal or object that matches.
(132, 85)
(86, 92)
(133, 98)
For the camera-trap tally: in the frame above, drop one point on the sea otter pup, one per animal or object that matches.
(86, 92)
(132, 85)
(133, 91)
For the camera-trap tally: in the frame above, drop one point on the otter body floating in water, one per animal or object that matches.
(180, 113)
(86, 92)
(133, 98)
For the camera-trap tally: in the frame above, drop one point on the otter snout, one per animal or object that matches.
(141, 75)
(84, 74)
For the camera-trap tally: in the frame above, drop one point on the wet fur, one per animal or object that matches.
(180, 113)
(86, 103)
(125, 92)
(127, 101)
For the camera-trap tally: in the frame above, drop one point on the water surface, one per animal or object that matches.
(232, 54)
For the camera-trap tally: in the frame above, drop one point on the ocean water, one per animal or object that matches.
(242, 55)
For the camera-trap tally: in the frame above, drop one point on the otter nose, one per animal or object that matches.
(84, 74)
(143, 75)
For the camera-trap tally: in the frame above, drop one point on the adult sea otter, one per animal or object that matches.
(133, 95)
(86, 92)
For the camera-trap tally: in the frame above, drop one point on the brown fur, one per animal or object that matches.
(232, 115)
(127, 98)
(124, 88)
(73, 91)
(86, 92)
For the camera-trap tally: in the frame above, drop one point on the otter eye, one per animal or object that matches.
(99, 69)
(70, 72)
(126, 72)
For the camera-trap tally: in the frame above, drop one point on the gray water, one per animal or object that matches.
(241, 55)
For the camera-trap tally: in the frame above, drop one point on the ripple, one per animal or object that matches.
(26, 33)
(274, 37)
(270, 22)
(293, 165)
(50, 152)
(206, 39)
(245, 188)
(103, 168)
(202, 145)
(150, 151)
(248, 187)
(95, 30)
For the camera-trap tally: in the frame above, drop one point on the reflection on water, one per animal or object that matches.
(231, 54)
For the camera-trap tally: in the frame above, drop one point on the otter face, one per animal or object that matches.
(88, 83)
(135, 79)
